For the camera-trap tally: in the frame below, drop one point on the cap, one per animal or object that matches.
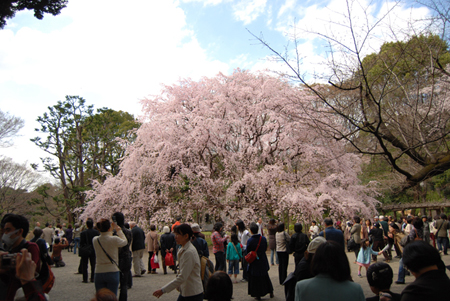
(315, 243)
(195, 228)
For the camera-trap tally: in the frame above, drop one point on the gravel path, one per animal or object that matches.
(69, 287)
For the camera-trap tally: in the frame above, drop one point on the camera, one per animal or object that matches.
(114, 219)
(8, 261)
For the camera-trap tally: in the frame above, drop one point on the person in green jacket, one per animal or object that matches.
(234, 255)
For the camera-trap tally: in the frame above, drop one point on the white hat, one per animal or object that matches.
(315, 243)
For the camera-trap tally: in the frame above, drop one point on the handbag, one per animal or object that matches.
(351, 244)
(251, 256)
(169, 259)
(153, 264)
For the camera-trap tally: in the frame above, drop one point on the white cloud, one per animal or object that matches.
(287, 6)
(248, 10)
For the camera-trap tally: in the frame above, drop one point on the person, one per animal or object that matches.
(152, 241)
(218, 247)
(282, 239)
(378, 241)
(426, 229)
(330, 233)
(38, 225)
(379, 277)
(416, 232)
(47, 235)
(355, 233)
(332, 279)
(302, 269)
(15, 228)
(104, 294)
(69, 236)
(243, 236)
(272, 229)
(138, 248)
(58, 246)
(442, 225)
(219, 287)
(431, 281)
(124, 257)
(363, 258)
(259, 283)
(199, 242)
(408, 225)
(177, 222)
(25, 271)
(234, 255)
(106, 246)
(37, 232)
(168, 245)
(76, 238)
(86, 242)
(313, 230)
(260, 226)
(347, 228)
(298, 243)
(188, 282)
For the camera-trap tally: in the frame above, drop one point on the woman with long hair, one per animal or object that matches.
(332, 279)
(243, 236)
(298, 243)
(272, 229)
(188, 281)
(282, 247)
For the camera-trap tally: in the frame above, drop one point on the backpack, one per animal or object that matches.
(206, 270)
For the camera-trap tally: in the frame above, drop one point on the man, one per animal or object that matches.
(355, 233)
(138, 248)
(199, 242)
(86, 243)
(59, 245)
(15, 228)
(426, 265)
(48, 234)
(442, 226)
(38, 225)
(330, 233)
(124, 257)
(384, 224)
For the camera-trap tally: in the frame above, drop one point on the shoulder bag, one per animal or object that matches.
(251, 256)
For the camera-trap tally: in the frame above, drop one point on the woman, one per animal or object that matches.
(298, 243)
(282, 239)
(378, 241)
(272, 229)
(332, 279)
(219, 287)
(365, 228)
(219, 247)
(243, 236)
(106, 246)
(152, 247)
(188, 282)
(168, 244)
(379, 276)
(259, 283)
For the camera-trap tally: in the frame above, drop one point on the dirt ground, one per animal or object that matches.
(69, 287)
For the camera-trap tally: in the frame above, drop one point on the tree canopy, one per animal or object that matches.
(8, 8)
(232, 146)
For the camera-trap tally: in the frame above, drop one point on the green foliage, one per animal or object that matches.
(8, 8)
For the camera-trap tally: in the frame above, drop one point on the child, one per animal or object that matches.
(363, 259)
(234, 255)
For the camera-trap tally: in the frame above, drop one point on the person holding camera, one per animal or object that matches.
(15, 228)
(60, 244)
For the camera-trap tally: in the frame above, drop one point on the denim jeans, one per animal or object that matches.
(401, 271)
(107, 280)
(271, 257)
(76, 243)
(442, 243)
(233, 265)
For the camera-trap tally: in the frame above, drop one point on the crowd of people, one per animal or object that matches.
(114, 250)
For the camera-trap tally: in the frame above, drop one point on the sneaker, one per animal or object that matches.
(244, 280)
(143, 272)
(359, 275)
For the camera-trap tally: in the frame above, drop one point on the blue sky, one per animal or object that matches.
(115, 53)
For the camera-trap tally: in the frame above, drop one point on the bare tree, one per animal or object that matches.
(392, 103)
(16, 180)
(9, 127)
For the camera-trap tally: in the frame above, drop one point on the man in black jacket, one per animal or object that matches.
(86, 243)
(138, 248)
(124, 257)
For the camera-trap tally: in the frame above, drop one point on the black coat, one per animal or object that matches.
(167, 241)
(138, 239)
(431, 285)
(259, 267)
(86, 237)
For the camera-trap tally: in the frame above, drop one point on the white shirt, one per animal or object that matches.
(243, 237)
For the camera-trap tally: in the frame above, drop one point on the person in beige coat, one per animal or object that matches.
(152, 241)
